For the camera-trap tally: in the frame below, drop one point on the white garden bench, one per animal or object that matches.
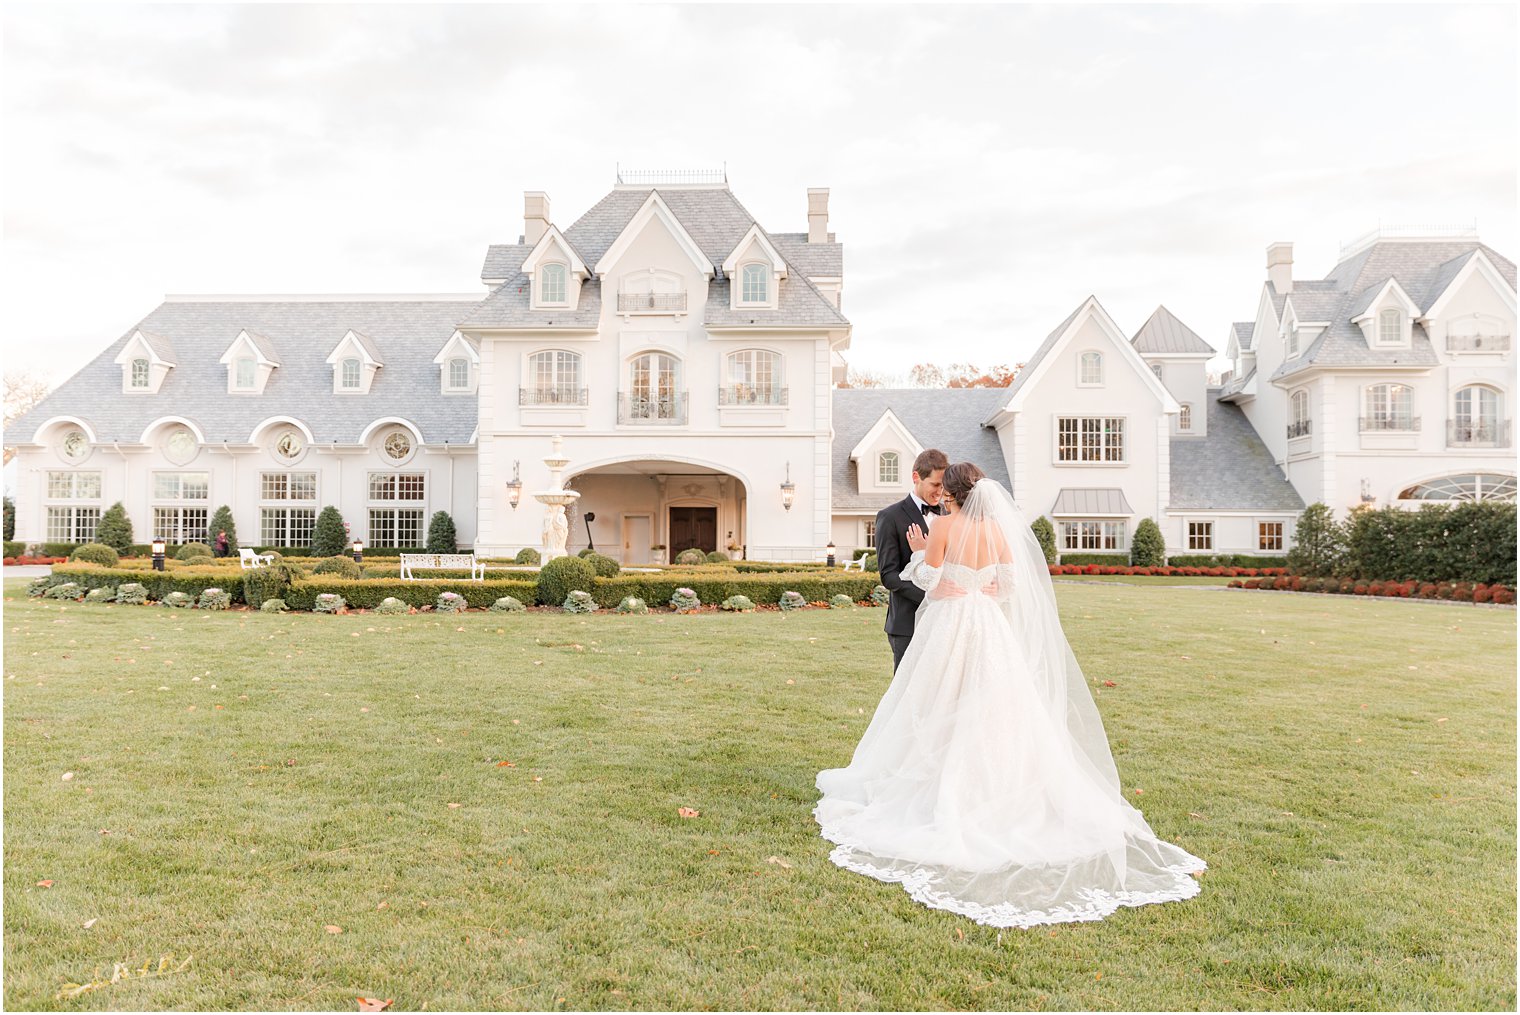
(858, 564)
(248, 559)
(440, 561)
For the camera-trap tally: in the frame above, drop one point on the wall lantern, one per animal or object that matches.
(514, 487)
(788, 489)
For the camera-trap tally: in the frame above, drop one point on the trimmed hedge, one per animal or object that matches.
(562, 576)
(368, 593)
(96, 553)
(765, 590)
(188, 550)
(190, 580)
(1111, 559)
(15, 549)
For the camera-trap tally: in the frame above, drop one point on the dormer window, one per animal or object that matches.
(245, 373)
(250, 361)
(350, 374)
(1185, 417)
(145, 361)
(755, 284)
(459, 373)
(888, 468)
(552, 284)
(140, 372)
(1290, 335)
(1091, 371)
(1390, 327)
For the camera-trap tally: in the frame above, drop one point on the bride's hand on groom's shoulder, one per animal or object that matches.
(916, 538)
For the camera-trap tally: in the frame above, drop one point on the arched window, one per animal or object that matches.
(754, 378)
(1092, 368)
(245, 374)
(755, 283)
(351, 373)
(459, 373)
(1290, 340)
(1477, 417)
(887, 468)
(1389, 407)
(1471, 486)
(139, 373)
(551, 284)
(1390, 327)
(1298, 414)
(1156, 369)
(1185, 417)
(554, 378)
(654, 395)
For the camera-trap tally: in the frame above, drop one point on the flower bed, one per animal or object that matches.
(28, 561)
(1168, 571)
(1458, 592)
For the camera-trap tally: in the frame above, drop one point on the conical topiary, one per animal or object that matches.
(115, 529)
(440, 534)
(329, 538)
(221, 521)
(1148, 547)
(1046, 534)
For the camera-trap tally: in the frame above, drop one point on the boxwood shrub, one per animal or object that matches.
(96, 553)
(562, 576)
(189, 550)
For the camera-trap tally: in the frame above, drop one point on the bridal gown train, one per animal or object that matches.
(983, 783)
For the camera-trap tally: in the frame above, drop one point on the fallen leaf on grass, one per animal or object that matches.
(67, 776)
(688, 812)
(778, 862)
(453, 807)
(1109, 683)
(505, 764)
(373, 1003)
(90, 922)
(44, 884)
(1441, 720)
(333, 928)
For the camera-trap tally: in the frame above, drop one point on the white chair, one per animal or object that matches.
(248, 559)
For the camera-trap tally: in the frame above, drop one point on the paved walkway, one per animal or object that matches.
(26, 570)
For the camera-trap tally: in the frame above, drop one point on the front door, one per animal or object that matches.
(693, 528)
(638, 533)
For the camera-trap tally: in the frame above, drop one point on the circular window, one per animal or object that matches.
(289, 446)
(398, 446)
(76, 446)
(182, 446)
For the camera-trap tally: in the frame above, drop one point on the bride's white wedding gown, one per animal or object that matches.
(979, 785)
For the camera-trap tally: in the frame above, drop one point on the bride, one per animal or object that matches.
(984, 783)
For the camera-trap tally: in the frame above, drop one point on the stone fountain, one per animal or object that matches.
(555, 500)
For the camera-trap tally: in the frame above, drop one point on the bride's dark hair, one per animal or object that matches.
(960, 478)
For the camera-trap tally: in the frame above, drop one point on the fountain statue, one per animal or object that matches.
(555, 499)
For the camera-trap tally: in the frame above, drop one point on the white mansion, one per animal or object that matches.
(688, 358)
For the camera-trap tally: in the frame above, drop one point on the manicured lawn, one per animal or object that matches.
(242, 782)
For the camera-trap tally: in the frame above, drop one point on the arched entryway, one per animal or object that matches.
(647, 510)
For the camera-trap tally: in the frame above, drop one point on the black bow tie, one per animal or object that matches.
(932, 509)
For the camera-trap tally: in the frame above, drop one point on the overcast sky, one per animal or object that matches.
(989, 166)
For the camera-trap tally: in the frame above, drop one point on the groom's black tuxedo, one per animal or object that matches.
(892, 553)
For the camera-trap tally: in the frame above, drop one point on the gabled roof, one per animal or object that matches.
(887, 422)
(1037, 364)
(262, 348)
(1457, 270)
(944, 418)
(1243, 331)
(754, 235)
(158, 347)
(359, 341)
(1165, 333)
(304, 330)
(553, 239)
(458, 343)
(1228, 470)
(653, 209)
(1373, 294)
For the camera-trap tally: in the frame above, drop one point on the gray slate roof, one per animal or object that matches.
(1423, 268)
(1165, 333)
(716, 222)
(1228, 470)
(946, 418)
(161, 346)
(265, 347)
(407, 335)
(1074, 500)
(1243, 332)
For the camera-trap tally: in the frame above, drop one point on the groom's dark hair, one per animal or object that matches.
(929, 461)
(960, 478)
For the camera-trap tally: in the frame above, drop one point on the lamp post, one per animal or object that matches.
(830, 549)
(358, 551)
(788, 489)
(514, 487)
(158, 554)
(589, 517)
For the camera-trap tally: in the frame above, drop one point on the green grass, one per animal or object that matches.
(1361, 849)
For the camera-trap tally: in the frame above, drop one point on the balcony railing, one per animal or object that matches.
(656, 303)
(1299, 429)
(1483, 433)
(1399, 424)
(655, 409)
(751, 394)
(1477, 343)
(551, 396)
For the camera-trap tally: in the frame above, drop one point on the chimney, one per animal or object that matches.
(1280, 266)
(818, 214)
(535, 216)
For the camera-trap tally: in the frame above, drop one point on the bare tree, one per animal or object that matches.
(869, 379)
(22, 391)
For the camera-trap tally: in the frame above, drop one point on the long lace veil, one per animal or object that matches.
(993, 531)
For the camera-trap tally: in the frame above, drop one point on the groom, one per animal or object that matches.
(900, 529)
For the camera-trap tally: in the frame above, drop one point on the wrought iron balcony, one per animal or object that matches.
(651, 303)
(552, 396)
(667, 409)
(1299, 429)
(751, 394)
(1477, 343)
(1481, 433)
(1399, 424)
